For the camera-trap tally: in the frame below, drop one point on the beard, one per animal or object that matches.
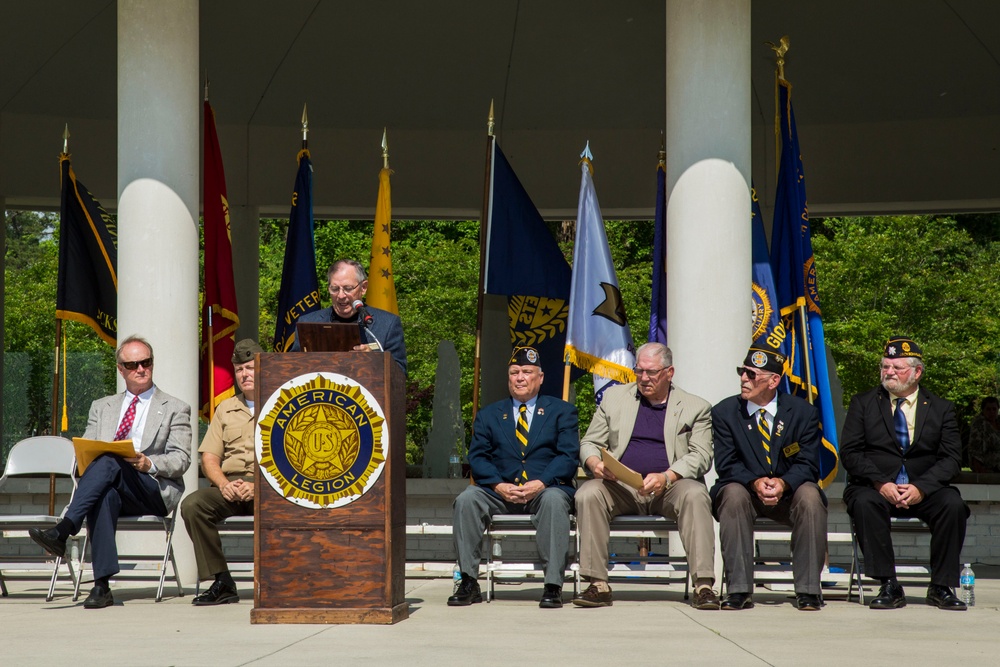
(898, 387)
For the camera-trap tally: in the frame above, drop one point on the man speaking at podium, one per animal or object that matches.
(347, 283)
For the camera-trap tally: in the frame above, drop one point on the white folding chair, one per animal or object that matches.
(40, 456)
(145, 523)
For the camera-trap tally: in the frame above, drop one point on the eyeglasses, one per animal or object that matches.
(132, 365)
(335, 289)
(645, 372)
(751, 373)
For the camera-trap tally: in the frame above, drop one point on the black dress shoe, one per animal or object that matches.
(890, 596)
(467, 593)
(99, 598)
(943, 597)
(551, 597)
(218, 593)
(49, 540)
(735, 601)
(807, 602)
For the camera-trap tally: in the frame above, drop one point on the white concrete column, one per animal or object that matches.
(244, 221)
(158, 175)
(708, 192)
(708, 197)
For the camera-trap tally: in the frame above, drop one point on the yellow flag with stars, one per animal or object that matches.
(381, 286)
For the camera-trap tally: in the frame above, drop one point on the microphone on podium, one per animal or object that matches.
(363, 315)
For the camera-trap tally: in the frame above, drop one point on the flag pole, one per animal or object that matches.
(780, 49)
(211, 364)
(487, 180)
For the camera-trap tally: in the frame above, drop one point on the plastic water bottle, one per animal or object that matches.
(456, 578)
(455, 464)
(968, 581)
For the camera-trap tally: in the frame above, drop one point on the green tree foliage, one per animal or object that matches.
(920, 276)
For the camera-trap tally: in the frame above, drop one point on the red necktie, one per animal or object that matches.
(126, 426)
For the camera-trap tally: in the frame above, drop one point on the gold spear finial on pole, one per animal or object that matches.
(662, 155)
(305, 126)
(206, 85)
(490, 121)
(780, 49)
(385, 150)
(66, 139)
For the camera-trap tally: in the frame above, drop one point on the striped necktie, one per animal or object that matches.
(765, 433)
(521, 431)
(903, 435)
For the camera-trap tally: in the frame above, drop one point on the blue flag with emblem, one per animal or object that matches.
(598, 338)
(658, 304)
(299, 292)
(767, 331)
(795, 280)
(524, 263)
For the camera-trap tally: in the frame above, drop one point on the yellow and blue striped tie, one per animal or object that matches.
(765, 433)
(522, 436)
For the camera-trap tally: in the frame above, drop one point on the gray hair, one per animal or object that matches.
(341, 263)
(658, 350)
(132, 339)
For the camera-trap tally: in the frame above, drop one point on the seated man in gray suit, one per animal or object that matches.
(347, 284)
(151, 482)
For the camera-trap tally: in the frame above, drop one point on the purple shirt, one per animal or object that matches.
(646, 451)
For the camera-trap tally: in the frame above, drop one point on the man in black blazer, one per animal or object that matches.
(347, 283)
(901, 447)
(767, 448)
(523, 459)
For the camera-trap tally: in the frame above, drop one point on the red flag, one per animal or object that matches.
(217, 377)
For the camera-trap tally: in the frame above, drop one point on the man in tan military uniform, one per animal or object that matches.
(227, 459)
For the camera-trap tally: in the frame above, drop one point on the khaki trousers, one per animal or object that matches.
(686, 501)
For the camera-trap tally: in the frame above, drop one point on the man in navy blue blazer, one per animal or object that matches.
(523, 458)
(767, 448)
(347, 283)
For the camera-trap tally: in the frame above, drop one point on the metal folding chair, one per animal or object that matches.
(144, 523)
(39, 456)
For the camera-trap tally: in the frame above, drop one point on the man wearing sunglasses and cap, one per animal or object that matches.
(901, 448)
(151, 482)
(767, 448)
(523, 460)
(227, 459)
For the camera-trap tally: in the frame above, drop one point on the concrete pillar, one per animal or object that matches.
(244, 222)
(708, 192)
(159, 110)
(708, 196)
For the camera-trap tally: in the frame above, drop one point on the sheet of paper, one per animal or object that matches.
(88, 450)
(624, 474)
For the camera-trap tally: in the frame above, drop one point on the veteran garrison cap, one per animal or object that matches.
(900, 347)
(244, 351)
(765, 360)
(524, 356)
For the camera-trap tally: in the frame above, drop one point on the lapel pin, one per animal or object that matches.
(541, 411)
(780, 428)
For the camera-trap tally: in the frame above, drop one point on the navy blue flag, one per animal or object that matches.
(795, 280)
(767, 331)
(87, 287)
(524, 263)
(299, 293)
(658, 304)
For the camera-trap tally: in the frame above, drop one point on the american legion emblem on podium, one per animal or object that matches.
(321, 440)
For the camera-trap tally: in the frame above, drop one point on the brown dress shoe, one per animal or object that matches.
(705, 598)
(593, 598)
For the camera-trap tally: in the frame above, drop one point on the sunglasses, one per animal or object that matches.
(132, 365)
(751, 373)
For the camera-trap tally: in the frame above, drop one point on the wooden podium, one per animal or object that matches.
(330, 517)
